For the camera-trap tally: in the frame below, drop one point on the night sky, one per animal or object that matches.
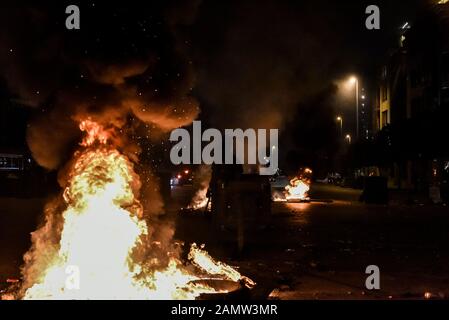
(147, 68)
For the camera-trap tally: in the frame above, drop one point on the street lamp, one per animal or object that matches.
(354, 81)
(348, 137)
(340, 119)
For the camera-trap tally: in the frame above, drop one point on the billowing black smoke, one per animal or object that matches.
(124, 67)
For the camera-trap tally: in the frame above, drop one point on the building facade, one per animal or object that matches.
(412, 104)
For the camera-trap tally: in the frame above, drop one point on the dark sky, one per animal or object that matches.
(270, 56)
(242, 63)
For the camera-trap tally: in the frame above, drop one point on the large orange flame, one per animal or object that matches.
(299, 186)
(102, 226)
(297, 189)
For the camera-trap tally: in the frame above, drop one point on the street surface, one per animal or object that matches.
(316, 250)
(320, 250)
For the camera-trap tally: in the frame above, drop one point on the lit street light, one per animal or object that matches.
(340, 119)
(348, 137)
(354, 81)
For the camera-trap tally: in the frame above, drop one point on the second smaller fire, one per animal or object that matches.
(297, 188)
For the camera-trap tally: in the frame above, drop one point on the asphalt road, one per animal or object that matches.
(320, 250)
(315, 250)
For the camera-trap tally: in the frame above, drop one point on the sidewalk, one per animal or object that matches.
(401, 197)
(410, 197)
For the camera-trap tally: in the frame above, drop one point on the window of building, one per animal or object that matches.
(384, 118)
(378, 119)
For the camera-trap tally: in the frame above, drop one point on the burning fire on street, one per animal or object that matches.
(102, 233)
(163, 150)
(297, 189)
(201, 199)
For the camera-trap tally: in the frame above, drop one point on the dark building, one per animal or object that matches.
(365, 115)
(412, 104)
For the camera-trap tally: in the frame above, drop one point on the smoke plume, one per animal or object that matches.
(128, 68)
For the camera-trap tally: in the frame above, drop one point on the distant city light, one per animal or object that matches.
(348, 137)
